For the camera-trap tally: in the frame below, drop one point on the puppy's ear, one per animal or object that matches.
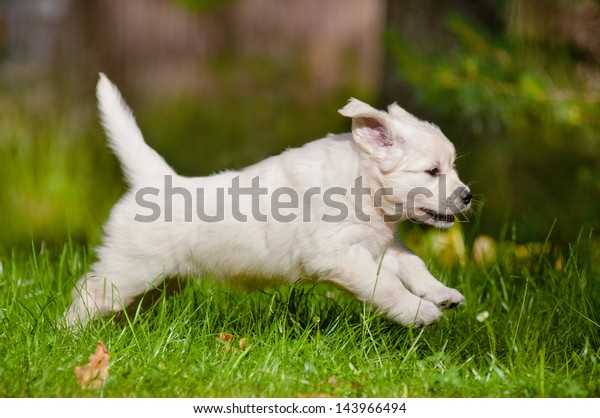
(396, 111)
(370, 127)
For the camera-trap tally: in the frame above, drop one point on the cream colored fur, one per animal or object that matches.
(391, 150)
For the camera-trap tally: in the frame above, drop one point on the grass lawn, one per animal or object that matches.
(541, 338)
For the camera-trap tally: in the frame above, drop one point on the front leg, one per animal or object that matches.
(358, 272)
(414, 274)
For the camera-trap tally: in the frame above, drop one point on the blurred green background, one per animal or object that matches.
(220, 84)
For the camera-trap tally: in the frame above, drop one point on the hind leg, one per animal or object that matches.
(93, 296)
(97, 294)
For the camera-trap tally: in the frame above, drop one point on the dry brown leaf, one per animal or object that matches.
(243, 344)
(312, 395)
(93, 374)
(226, 338)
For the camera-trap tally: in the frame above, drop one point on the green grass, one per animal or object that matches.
(541, 339)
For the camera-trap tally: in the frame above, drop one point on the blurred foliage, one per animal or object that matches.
(56, 175)
(525, 112)
(527, 116)
(202, 5)
(58, 179)
(250, 118)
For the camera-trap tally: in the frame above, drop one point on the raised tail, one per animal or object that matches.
(140, 163)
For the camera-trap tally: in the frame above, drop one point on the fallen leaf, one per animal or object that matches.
(312, 395)
(226, 338)
(243, 344)
(93, 374)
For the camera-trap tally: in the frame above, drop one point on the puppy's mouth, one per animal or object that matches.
(437, 218)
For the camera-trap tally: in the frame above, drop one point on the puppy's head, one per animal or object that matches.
(409, 164)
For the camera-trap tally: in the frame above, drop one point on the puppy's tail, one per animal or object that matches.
(140, 162)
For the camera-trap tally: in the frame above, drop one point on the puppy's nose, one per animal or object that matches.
(466, 196)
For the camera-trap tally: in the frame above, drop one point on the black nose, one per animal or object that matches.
(466, 196)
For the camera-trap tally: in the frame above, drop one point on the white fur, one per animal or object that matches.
(389, 149)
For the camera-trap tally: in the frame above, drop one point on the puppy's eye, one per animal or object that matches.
(434, 172)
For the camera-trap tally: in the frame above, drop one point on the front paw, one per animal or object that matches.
(445, 297)
(418, 313)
